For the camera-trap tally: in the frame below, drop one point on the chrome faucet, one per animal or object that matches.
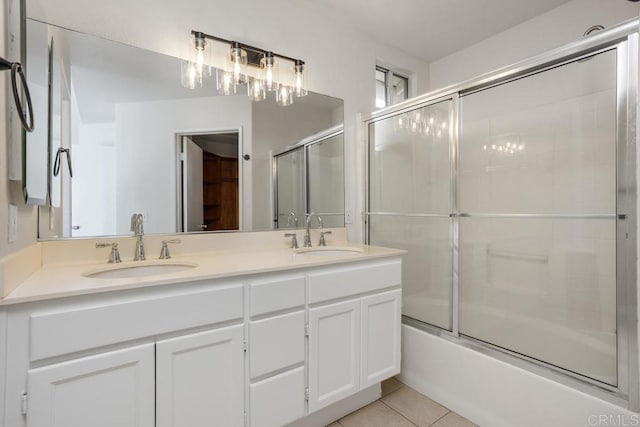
(138, 230)
(307, 236)
(292, 215)
(114, 256)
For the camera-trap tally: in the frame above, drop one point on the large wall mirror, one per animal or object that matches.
(118, 134)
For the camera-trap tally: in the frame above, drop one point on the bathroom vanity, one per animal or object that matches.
(260, 338)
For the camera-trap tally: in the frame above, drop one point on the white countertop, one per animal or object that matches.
(64, 280)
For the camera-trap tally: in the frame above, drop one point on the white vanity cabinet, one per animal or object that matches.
(262, 350)
(104, 390)
(353, 343)
(199, 379)
(277, 349)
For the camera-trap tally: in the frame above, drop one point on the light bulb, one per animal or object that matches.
(200, 60)
(300, 87)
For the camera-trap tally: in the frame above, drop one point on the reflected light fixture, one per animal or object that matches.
(284, 95)
(236, 72)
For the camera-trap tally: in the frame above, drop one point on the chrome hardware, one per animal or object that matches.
(114, 256)
(164, 252)
(322, 242)
(294, 240)
(138, 230)
(292, 215)
(307, 236)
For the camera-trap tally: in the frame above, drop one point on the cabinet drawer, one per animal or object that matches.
(278, 293)
(72, 330)
(276, 343)
(347, 281)
(278, 400)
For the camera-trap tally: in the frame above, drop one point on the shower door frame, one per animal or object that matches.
(624, 39)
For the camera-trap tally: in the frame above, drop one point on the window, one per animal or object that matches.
(391, 88)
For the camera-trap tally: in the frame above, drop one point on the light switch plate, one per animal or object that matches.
(13, 223)
(348, 219)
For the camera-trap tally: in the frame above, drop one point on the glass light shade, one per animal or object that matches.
(225, 82)
(237, 64)
(284, 95)
(270, 74)
(256, 90)
(299, 79)
(198, 65)
(190, 77)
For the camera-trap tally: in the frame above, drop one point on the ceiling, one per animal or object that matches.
(432, 29)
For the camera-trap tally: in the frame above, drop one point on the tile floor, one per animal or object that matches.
(402, 406)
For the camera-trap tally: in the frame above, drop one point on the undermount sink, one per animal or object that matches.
(142, 270)
(329, 251)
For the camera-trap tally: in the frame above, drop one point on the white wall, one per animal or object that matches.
(341, 61)
(553, 29)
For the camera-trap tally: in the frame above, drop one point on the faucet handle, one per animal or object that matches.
(114, 256)
(164, 252)
(322, 241)
(294, 240)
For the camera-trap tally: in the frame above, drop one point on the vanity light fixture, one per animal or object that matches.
(236, 73)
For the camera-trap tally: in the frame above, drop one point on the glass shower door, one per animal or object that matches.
(326, 180)
(290, 189)
(410, 202)
(537, 272)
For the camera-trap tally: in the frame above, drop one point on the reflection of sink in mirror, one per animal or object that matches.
(129, 271)
(329, 251)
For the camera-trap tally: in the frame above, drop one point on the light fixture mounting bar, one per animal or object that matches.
(243, 45)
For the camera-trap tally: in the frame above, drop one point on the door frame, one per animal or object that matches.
(178, 135)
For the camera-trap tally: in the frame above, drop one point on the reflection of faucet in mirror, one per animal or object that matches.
(307, 236)
(138, 231)
(292, 215)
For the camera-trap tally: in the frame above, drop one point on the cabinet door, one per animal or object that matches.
(380, 337)
(199, 379)
(334, 353)
(278, 400)
(105, 390)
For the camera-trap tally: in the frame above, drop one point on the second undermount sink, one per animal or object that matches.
(329, 251)
(141, 270)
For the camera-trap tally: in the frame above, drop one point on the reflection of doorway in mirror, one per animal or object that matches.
(210, 181)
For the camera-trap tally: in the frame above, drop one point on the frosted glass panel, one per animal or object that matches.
(545, 288)
(291, 188)
(542, 144)
(326, 180)
(426, 269)
(409, 162)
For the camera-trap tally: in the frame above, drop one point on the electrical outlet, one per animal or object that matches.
(13, 223)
